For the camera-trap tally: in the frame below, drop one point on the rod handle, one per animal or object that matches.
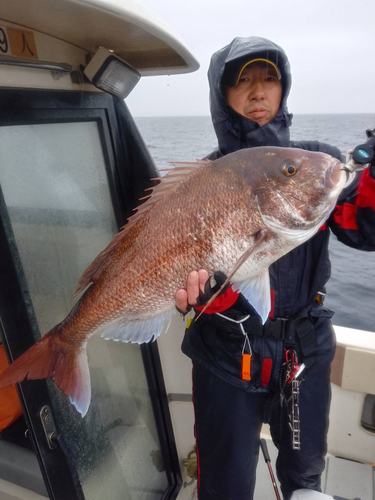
(263, 445)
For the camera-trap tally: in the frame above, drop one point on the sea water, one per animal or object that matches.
(351, 289)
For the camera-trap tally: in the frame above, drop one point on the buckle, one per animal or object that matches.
(276, 328)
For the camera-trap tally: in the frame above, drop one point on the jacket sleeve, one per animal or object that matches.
(353, 218)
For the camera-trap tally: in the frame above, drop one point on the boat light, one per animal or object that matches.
(111, 74)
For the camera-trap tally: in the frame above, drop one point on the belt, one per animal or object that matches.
(278, 328)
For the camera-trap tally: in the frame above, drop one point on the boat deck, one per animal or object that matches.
(342, 478)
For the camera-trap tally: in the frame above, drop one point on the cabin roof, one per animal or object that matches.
(134, 33)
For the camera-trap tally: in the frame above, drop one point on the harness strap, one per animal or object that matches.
(287, 329)
(308, 341)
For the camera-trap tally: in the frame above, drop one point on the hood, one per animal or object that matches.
(234, 131)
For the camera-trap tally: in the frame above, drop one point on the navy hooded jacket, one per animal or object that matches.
(297, 277)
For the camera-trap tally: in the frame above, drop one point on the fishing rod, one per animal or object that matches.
(267, 459)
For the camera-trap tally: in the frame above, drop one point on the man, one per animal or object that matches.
(249, 86)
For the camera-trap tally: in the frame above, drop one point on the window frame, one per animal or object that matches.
(126, 184)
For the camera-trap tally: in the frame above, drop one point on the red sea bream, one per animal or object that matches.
(237, 215)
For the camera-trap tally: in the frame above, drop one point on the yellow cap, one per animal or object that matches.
(258, 60)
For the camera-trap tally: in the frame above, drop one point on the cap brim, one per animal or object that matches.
(233, 76)
(259, 59)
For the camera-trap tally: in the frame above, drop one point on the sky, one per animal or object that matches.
(330, 45)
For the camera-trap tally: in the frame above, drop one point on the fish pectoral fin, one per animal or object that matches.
(259, 237)
(136, 331)
(257, 292)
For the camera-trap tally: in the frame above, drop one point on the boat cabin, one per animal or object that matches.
(73, 165)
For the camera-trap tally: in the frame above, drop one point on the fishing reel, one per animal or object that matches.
(361, 157)
(365, 153)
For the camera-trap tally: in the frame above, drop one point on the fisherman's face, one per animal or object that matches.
(257, 95)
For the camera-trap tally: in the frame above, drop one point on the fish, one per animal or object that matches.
(237, 215)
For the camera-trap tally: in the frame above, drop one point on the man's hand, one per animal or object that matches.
(199, 290)
(186, 299)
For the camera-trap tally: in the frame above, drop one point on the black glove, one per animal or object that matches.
(208, 291)
(241, 305)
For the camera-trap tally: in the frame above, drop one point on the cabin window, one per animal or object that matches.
(53, 178)
(56, 184)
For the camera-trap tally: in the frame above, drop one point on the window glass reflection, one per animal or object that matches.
(54, 181)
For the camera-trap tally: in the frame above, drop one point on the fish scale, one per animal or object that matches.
(237, 215)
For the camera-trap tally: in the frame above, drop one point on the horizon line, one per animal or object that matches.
(209, 116)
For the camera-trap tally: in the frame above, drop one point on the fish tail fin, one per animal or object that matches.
(35, 363)
(50, 357)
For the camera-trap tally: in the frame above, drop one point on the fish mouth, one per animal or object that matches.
(332, 174)
(335, 179)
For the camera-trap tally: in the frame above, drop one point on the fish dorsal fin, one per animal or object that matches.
(257, 292)
(167, 183)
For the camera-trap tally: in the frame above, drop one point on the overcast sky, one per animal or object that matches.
(330, 45)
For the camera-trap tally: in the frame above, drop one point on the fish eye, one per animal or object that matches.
(289, 169)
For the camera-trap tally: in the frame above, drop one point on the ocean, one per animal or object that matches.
(350, 291)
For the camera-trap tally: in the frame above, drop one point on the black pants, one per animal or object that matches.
(228, 421)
